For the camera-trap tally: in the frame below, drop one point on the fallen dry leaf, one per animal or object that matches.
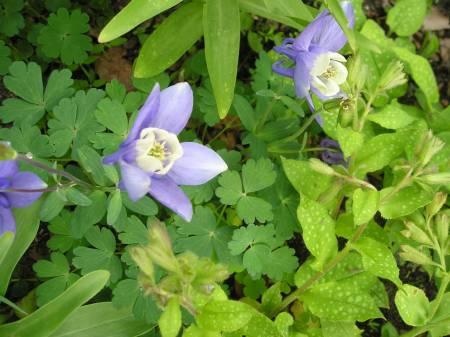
(112, 65)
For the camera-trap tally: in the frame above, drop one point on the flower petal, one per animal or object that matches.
(302, 82)
(145, 115)
(8, 168)
(25, 181)
(134, 180)
(166, 191)
(280, 70)
(175, 108)
(325, 32)
(7, 221)
(198, 165)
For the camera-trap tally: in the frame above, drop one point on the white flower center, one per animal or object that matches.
(157, 150)
(328, 72)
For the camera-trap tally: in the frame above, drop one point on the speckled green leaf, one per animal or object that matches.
(406, 17)
(259, 325)
(224, 316)
(365, 205)
(170, 320)
(378, 152)
(404, 202)
(337, 302)
(304, 179)
(413, 305)
(349, 140)
(221, 26)
(339, 329)
(392, 116)
(378, 259)
(318, 230)
(421, 72)
(170, 40)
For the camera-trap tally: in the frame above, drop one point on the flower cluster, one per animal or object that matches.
(152, 160)
(17, 190)
(318, 66)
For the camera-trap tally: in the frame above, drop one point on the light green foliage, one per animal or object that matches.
(378, 259)
(11, 20)
(5, 60)
(256, 176)
(224, 316)
(28, 139)
(318, 230)
(339, 329)
(170, 320)
(365, 205)
(349, 140)
(262, 253)
(204, 236)
(221, 26)
(407, 16)
(413, 305)
(392, 116)
(101, 256)
(134, 232)
(58, 270)
(25, 81)
(65, 37)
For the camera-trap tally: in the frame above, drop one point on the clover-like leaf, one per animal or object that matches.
(11, 20)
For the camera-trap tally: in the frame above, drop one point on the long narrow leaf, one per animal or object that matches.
(100, 320)
(170, 40)
(136, 12)
(27, 224)
(292, 8)
(6, 240)
(221, 25)
(44, 321)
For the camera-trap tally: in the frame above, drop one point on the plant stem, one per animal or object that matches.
(316, 277)
(437, 301)
(301, 130)
(49, 169)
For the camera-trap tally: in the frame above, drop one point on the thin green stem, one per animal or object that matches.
(440, 295)
(301, 130)
(316, 277)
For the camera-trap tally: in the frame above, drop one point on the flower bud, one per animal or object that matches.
(320, 167)
(413, 255)
(428, 146)
(436, 178)
(7, 152)
(393, 76)
(346, 112)
(439, 200)
(442, 226)
(418, 235)
(143, 260)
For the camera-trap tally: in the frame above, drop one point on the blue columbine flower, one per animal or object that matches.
(16, 191)
(152, 160)
(318, 66)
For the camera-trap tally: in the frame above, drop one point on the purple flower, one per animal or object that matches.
(153, 161)
(318, 66)
(15, 192)
(334, 155)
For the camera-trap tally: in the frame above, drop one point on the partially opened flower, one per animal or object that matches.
(152, 160)
(318, 67)
(16, 191)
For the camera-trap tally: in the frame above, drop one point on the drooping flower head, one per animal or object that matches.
(16, 191)
(152, 160)
(333, 154)
(318, 67)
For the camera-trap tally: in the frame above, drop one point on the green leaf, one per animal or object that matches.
(379, 152)
(252, 208)
(260, 325)
(5, 59)
(65, 37)
(101, 256)
(404, 202)
(170, 321)
(365, 205)
(258, 175)
(230, 190)
(412, 305)
(318, 230)
(135, 232)
(203, 236)
(61, 278)
(61, 239)
(144, 206)
(407, 16)
(221, 26)
(55, 312)
(11, 20)
(27, 225)
(170, 40)
(271, 298)
(392, 116)
(114, 207)
(349, 140)
(111, 114)
(378, 259)
(245, 112)
(91, 162)
(52, 205)
(99, 320)
(6, 240)
(340, 301)
(25, 81)
(136, 12)
(339, 329)
(85, 217)
(77, 197)
(227, 316)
